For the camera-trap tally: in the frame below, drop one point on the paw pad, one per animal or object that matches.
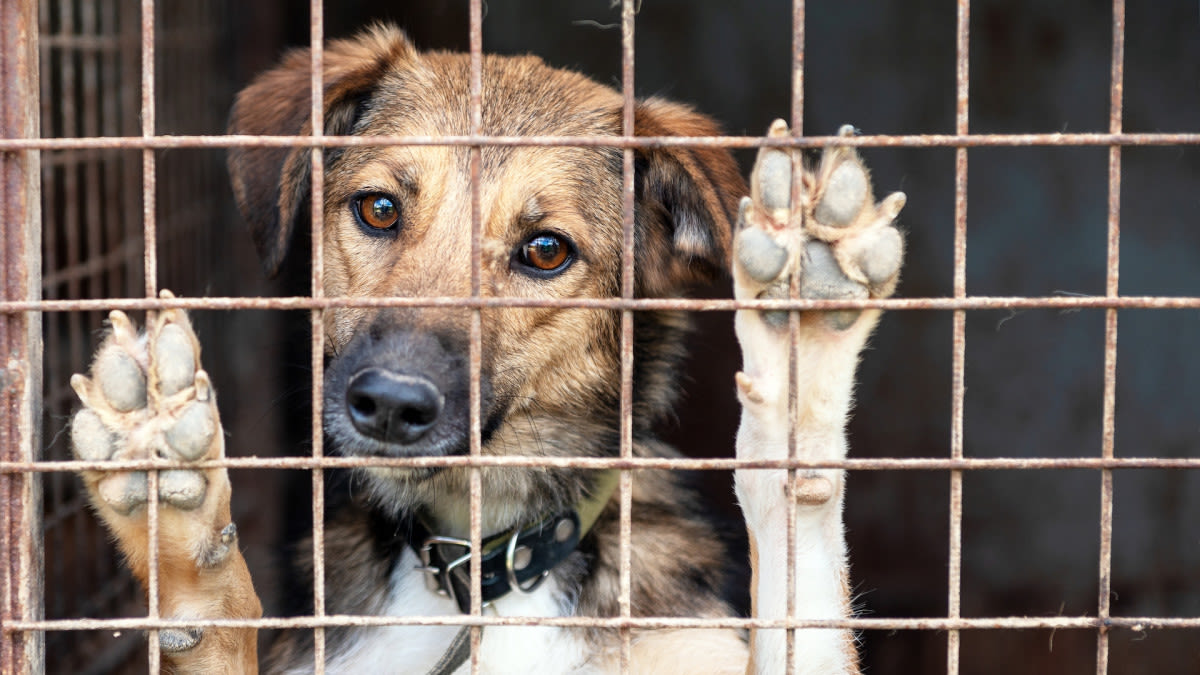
(181, 488)
(175, 640)
(175, 359)
(124, 491)
(845, 246)
(845, 195)
(147, 398)
(92, 440)
(191, 436)
(760, 255)
(121, 379)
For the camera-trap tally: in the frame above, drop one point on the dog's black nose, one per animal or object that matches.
(390, 407)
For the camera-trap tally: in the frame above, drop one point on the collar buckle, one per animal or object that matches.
(447, 570)
(521, 558)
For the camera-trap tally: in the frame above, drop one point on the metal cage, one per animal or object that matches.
(113, 189)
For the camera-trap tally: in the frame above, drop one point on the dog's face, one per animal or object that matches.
(397, 221)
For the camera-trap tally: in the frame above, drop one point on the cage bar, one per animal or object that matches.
(793, 362)
(1116, 89)
(628, 194)
(20, 339)
(959, 338)
(317, 289)
(733, 142)
(475, 343)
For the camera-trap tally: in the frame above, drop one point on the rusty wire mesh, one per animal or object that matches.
(116, 152)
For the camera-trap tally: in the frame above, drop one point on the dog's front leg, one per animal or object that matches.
(837, 243)
(148, 396)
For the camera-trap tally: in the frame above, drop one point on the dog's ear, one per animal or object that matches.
(687, 201)
(272, 185)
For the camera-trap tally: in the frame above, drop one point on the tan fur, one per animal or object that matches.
(709, 651)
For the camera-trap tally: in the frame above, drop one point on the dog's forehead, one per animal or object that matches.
(521, 96)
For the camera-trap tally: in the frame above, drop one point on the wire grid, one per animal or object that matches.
(148, 143)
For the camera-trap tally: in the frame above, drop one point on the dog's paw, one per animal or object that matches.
(837, 242)
(831, 241)
(147, 397)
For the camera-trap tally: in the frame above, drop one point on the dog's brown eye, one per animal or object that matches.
(545, 252)
(376, 210)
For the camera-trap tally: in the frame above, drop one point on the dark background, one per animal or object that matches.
(1037, 220)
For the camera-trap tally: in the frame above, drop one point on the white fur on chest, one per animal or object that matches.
(505, 649)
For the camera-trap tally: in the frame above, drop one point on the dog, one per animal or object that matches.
(397, 222)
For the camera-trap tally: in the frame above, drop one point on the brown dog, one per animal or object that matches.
(397, 222)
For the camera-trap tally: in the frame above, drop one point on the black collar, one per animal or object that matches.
(520, 558)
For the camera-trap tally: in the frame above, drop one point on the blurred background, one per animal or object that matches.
(1036, 227)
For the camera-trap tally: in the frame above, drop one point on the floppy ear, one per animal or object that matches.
(272, 185)
(687, 201)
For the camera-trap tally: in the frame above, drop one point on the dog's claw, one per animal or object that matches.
(747, 389)
(122, 327)
(218, 551)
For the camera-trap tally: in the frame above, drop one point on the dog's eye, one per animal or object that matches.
(376, 210)
(545, 253)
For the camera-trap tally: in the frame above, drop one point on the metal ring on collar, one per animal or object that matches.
(511, 572)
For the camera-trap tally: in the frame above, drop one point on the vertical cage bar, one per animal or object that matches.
(625, 488)
(149, 185)
(793, 441)
(150, 270)
(959, 339)
(317, 289)
(20, 339)
(1116, 95)
(475, 351)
